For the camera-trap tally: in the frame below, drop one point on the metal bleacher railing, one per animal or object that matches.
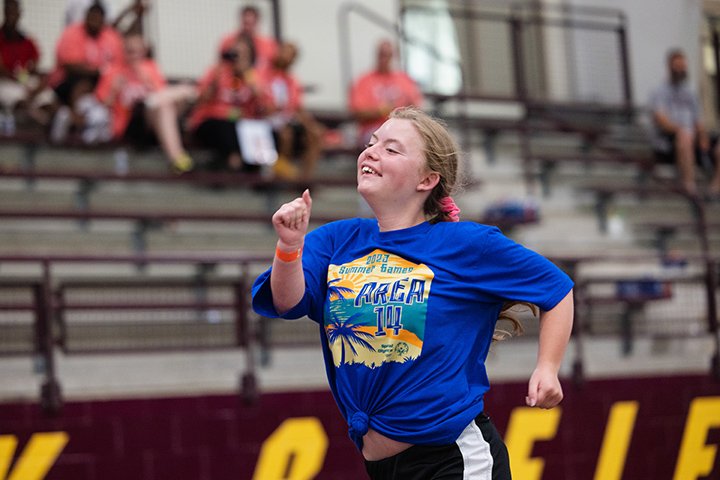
(50, 311)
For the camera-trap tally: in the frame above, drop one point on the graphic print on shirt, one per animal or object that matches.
(376, 309)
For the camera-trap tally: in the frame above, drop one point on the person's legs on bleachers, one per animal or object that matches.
(220, 135)
(12, 93)
(284, 168)
(162, 116)
(685, 159)
(313, 132)
(714, 189)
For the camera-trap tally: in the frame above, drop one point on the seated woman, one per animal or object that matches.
(144, 108)
(229, 91)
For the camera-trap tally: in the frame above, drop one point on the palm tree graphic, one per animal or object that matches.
(337, 289)
(349, 334)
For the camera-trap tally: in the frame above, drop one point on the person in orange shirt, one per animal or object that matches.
(229, 91)
(144, 108)
(83, 51)
(297, 132)
(265, 47)
(375, 94)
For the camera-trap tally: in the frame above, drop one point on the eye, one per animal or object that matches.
(368, 145)
(391, 151)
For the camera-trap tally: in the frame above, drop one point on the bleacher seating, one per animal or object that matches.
(59, 198)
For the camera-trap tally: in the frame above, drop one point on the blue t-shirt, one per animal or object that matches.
(407, 318)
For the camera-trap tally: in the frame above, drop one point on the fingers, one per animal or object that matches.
(294, 215)
(549, 398)
(531, 398)
(307, 199)
(544, 394)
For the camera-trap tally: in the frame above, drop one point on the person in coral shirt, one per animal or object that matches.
(265, 47)
(144, 109)
(83, 51)
(297, 132)
(375, 94)
(229, 91)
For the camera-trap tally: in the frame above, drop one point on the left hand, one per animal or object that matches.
(544, 389)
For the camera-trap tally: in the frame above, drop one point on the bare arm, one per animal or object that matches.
(664, 122)
(287, 280)
(544, 389)
(138, 8)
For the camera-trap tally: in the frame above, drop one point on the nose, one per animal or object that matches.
(370, 151)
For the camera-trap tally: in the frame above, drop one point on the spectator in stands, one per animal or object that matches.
(265, 47)
(20, 83)
(229, 91)
(144, 109)
(679, 134)
(83, 51)
(297, 132)
(132, 15)
(375, 94)
(407, 303)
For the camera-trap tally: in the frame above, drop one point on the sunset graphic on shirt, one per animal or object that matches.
(376, 309)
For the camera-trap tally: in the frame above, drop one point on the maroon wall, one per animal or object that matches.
(217, 437)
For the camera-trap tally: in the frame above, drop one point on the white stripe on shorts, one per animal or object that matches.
(477, 459)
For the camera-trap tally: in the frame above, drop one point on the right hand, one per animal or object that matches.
(291, 222)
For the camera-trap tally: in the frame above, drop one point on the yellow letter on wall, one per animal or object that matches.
(696, 459)
(618, 433)
(298, 443)
(528, 425)
(8, 444)
(36, 459)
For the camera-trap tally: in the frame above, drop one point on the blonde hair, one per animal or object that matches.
(441, 156)
(509, 313)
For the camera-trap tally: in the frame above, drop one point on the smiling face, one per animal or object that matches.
(392, 170)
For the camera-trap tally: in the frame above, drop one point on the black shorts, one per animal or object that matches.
(138, 133)
(479, 453)
(220, 135)
(72, 82)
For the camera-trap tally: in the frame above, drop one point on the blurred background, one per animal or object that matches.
(128, 348)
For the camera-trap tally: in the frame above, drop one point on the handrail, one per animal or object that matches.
(48, 304)
(702, 229)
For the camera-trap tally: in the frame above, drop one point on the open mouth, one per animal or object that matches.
(368, 170)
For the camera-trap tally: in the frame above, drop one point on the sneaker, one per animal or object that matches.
(284, 169)
(182, 163)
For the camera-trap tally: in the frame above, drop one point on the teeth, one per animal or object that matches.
(367, 169)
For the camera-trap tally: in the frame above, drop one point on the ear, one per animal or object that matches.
(428, 182)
